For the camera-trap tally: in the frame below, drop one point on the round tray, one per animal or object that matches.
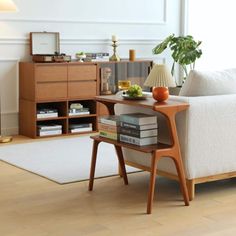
(125, 96)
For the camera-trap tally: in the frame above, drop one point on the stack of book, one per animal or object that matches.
(46, 130)
(108, 127)
(47, 113)
(96, 56)
(79, 128)
(138, 128)
(77, 109)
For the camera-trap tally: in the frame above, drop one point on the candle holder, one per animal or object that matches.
(114, 57)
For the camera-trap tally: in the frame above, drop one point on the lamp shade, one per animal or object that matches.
(7, 6)
(160, 76)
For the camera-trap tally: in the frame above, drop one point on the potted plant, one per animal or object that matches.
(185, 51)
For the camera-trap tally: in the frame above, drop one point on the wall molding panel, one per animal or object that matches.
(56, 21)
(84, 41)
(83, 26)
(162, 21)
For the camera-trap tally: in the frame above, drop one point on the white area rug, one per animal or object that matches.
(63, 160)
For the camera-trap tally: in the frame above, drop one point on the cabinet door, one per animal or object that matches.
(50, 73)
(82, 81)
(82, 72)
(51, 82)
(82, 89)
(51, 91)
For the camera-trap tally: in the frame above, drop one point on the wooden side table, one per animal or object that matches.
(169, 109)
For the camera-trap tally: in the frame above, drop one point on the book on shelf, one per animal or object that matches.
(106, 127)
(97, 54)
(138, 141)
(138, 127)
(47, 115)
(49, 132)
(110, 120)
(77, 109)
(46, 110)
(138, 118)
(80, 130)
(78, 113)
(82, 125)
(49, 127)
(110, 135)
(138, 133)
(89, 59)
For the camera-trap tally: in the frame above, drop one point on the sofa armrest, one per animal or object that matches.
(207, 134)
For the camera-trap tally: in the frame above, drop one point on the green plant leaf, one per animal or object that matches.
(184, 51)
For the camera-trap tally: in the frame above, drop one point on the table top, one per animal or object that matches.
(148, 103)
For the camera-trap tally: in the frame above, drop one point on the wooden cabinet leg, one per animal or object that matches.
(121, 163)
(93, 164)
(191, 188)
(182, 180)
(152, 183)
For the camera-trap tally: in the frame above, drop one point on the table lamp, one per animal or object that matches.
(160, 79)
(5, 6)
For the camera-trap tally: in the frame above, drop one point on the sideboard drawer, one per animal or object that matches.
(82, 89)
(56, 90)
(47, 73)
(82, 72)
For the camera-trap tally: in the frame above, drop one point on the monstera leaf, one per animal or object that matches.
(185, 51)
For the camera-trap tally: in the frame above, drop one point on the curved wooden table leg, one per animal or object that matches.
(175, 153)
(182, 181)
(121, 163)
(152, 182)
(93, 164)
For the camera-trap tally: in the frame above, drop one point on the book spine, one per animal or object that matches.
(108, 128)
(129, 119)
(47, 127)
(138, 141)
(128, 139)
(128, 125)
(109, 135)
(76, 126)
(138, 120)
(138, 127)
(139, 133)
(46, 111)
(80, 130)
(47, 115)
(79, 113)
(50, 132)
(108, 122)
(97, 54)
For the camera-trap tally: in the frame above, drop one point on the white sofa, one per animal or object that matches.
(207, 136)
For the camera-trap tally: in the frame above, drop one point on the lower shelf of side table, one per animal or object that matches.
(146, 149)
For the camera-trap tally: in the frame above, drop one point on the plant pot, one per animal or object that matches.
(175, 91)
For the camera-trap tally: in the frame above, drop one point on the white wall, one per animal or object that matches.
(213, 22)
(83, 26)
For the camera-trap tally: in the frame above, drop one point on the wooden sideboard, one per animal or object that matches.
(57, 85)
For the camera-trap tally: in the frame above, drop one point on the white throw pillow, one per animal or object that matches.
(205, 83)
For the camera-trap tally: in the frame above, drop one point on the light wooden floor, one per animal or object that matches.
(34, 206)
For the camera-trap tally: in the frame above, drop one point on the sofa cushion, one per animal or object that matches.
(205, 83)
